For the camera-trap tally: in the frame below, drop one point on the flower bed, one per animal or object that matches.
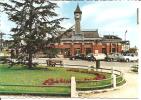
(99, 76)
(52, 81)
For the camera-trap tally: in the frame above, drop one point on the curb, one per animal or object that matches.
(80, 93)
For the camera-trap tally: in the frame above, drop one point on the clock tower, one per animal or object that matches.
(77, 17)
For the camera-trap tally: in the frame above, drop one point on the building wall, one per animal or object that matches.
(68, 49)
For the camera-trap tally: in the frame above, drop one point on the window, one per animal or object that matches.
(113, 50)
(88, 50)
(104, 50)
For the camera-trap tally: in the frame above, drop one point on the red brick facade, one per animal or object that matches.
(68, 49)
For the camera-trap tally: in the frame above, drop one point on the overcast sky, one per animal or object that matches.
(112, 18)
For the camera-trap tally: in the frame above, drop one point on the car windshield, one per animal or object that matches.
(90, 54)
(77, 54)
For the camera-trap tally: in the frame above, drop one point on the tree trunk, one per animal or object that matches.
(30, 60)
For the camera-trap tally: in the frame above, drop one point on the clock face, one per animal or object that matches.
(77, 16)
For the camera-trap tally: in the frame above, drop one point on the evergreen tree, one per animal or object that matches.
(37, 25)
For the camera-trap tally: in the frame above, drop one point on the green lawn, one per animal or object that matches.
(18, 75)
(21, 75)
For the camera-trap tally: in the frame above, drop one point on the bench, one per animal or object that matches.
(52, 63)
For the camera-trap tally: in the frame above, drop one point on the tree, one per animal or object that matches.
(133, 50)
(51, 52)
(37, 25)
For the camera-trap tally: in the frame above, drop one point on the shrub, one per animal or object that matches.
(73, 69)
(84, 71)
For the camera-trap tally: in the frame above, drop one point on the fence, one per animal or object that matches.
(101, 84)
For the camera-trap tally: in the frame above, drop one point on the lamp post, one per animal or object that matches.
(111, 44)
(137, 16)
(125, 41)
(110, 40)
(1, 41)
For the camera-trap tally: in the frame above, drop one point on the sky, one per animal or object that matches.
(109, 17)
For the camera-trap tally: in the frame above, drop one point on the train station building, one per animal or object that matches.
(87, 41)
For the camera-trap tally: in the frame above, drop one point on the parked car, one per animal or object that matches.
(113, 57)
(90, 57)
(78, 56)
(129, 57)
(93, 57)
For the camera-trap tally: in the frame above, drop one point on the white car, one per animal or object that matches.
(113, 57)
(129, 57)
(99, 56)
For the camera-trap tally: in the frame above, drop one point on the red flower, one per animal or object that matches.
(50, 83)
(100, 77)
(45, 82)
(61, 80)
(56, 81)
(68, 81)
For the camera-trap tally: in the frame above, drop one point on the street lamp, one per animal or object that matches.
(1, 41)
(125, 42)
(110, 40)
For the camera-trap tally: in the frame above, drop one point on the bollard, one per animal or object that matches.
(89, 68)
(114, 81)
(73, 87)
(113, 78)
(112, 70)
(97, 64)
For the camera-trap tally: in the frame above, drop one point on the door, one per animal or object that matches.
(77, 51)
(104, 50)
(67, 52)
(88, 50)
